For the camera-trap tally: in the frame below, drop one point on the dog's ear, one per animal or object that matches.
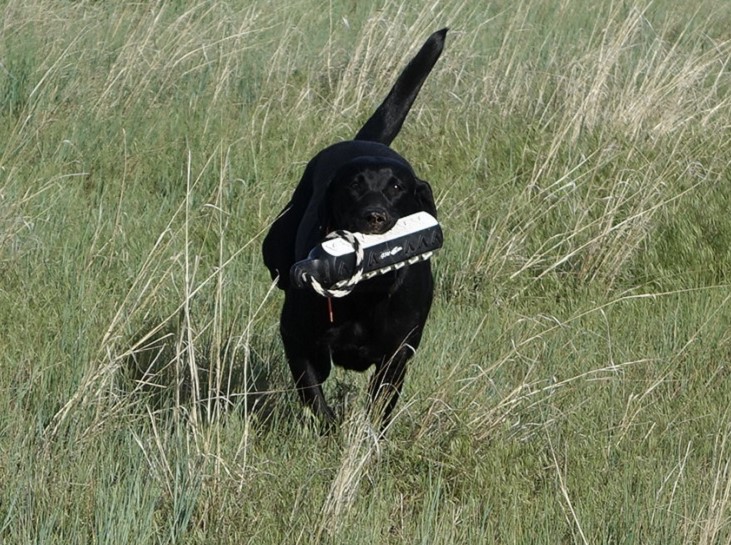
(279, 245)
(324, 214)
(425, 198)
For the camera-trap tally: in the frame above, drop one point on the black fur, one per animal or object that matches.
(360, 185)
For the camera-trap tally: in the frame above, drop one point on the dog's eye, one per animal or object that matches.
(356, 184)
(395, 184)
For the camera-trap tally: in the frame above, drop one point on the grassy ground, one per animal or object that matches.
(573, 385)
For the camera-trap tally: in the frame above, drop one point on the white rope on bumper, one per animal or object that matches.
(344, 287)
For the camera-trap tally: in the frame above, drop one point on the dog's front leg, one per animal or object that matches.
(386, 384)
(308, 360)
(308, 379)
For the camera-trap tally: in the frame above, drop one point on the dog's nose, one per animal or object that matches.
(376, 218)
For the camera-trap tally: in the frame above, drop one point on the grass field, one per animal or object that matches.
(574, 383)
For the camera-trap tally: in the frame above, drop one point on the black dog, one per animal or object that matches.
(363, 186)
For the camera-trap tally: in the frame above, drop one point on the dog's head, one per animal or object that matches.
(369, 194)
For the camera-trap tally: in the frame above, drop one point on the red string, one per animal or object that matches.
(329, 299)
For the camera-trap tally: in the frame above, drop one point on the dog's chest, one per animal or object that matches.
(356, 337)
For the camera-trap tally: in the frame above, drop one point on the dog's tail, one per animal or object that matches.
(386, 121)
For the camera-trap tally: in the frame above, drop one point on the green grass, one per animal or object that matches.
(573, 384)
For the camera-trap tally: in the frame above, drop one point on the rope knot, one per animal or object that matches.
(343, 287)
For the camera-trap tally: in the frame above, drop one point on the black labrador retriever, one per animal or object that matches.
(360, 185)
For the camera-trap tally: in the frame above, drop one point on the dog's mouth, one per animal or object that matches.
(369, 229)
